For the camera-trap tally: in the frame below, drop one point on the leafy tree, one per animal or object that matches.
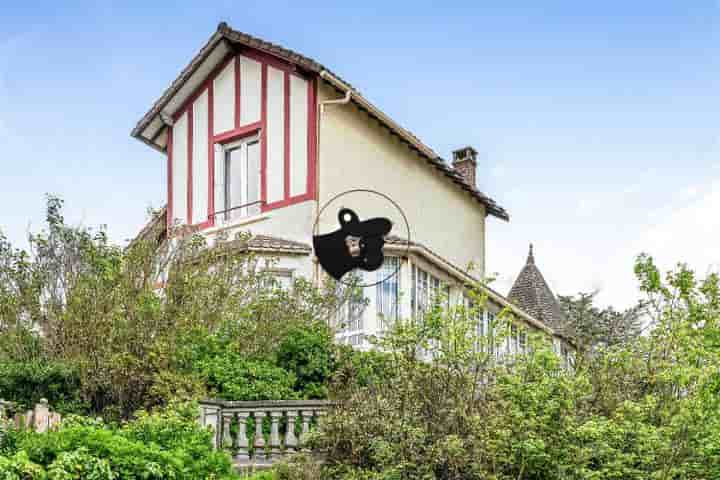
(446, 408)
(135, 325)
(590, 327)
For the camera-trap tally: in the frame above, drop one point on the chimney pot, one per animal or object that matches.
(465, 163)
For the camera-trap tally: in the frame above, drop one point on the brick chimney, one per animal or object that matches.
(465, 163)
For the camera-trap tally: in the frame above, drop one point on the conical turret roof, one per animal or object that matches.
(532, 294)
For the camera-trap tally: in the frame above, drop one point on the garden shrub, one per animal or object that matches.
(111, 340)
(445, 408)
(308, 353)
(19, 467)
(27, 382)
(232, 377)
(80, 465)
(168, 444)
(262, 475)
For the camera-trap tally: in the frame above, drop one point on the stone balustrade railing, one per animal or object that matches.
(283, 426)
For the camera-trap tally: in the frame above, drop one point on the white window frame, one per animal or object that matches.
(424, 290)
(231, 214)
(350, 317)
(388, 309)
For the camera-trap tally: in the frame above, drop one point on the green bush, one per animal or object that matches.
(233, 377)
(18, 466)
(27, 382)
(165, 445)
(80, 465)
(445, 408)
(264, 475)
(307, 352)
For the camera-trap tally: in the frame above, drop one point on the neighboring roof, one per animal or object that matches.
(532, 294)
(228, 37)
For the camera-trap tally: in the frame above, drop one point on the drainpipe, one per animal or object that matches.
(339, 101)
(321, 109)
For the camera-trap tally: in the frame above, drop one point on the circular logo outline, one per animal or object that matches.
(399, 209)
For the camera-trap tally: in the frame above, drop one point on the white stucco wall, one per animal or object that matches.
(356, 152)
(293, 222)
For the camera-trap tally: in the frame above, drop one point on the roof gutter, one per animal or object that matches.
(340, 101)
(468, 279)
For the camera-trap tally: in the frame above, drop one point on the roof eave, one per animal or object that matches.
(185, 74)
(466, 278)
(411, 140)
(225, 33)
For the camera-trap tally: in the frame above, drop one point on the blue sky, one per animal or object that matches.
(597, 124)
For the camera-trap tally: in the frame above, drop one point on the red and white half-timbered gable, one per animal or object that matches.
(243, 143)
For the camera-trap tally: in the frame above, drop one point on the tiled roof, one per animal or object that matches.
(445, 264)
(267, 243)
(156, 228)
(226, 34)
(532, 294)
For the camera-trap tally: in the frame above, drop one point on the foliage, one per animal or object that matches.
(591, 328)
(165, 444)
(446, 408)
(262, 475)
(123, 344)
(19, 467)
(308, 353)
(301, 466)
(232, 377)
(27, 382)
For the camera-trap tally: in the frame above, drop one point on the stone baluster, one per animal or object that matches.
(275, 451)
(243, 445)
(210, 417)
(319, 414)
(291, 440)
(306, 418)
(259, 437)
(226, 437)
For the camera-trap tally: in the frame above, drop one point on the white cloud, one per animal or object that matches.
(600, 254)
(687, 232)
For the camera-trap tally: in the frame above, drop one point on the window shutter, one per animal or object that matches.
(219, 183)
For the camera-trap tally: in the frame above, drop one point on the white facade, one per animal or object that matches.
(259, 143)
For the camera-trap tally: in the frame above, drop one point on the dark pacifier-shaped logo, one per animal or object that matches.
(357, 244)
(353, 231)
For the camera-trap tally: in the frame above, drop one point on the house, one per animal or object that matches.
(258, 138)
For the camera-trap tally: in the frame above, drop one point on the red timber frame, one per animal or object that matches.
(239, 132)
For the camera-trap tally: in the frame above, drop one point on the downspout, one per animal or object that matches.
(325, 75)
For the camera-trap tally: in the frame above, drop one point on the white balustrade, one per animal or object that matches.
(286, 419)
